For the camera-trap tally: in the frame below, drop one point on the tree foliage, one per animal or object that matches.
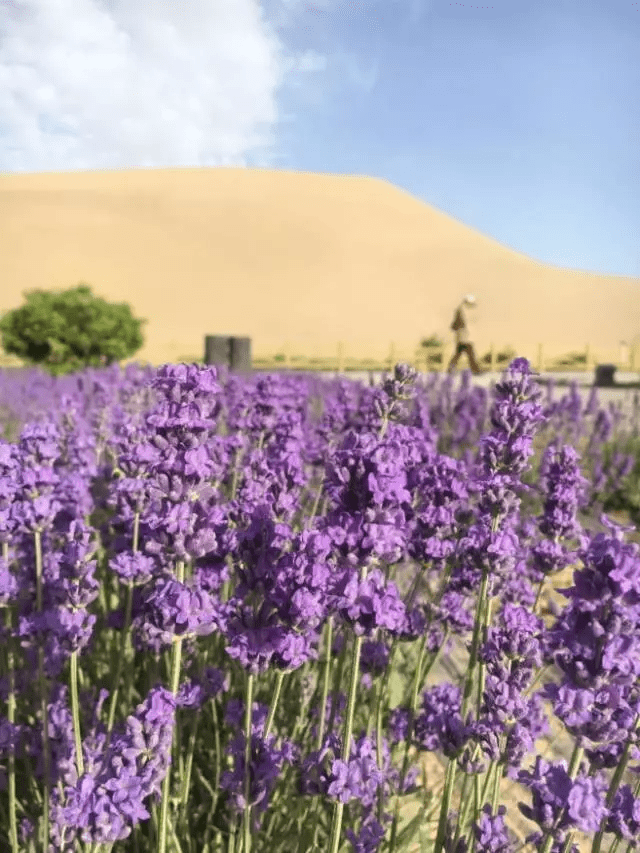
(70, 330)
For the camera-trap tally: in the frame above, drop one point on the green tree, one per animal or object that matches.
(70, 330)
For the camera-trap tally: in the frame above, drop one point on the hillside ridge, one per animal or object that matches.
(294, 258)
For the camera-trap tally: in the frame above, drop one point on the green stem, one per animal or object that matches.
(479, 799)
(466, 805)
(338, 811)
(191, 749)
(11, 718)
(119, 665)
(492, 772)
(43, 700)
(274, 704)
(314, 509)
(246, 818)
(125, 636)
(326, 676)
(379, 748)
(176, 654)
(231, 841)
(337, 684)
(576, 758)
(445, 805)
(613, 787)
(189, 765)
(413, 702)
(218, 758)
(476, 793)
(538, 595)
(475, 644)
(75, 711)
(236, 470)
(451, 769)
(483, 614)
(496, 788)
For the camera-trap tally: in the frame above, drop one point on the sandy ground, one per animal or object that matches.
(293, 260)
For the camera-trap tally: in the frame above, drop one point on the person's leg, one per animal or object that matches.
(464, 348)
(455, 358)
(473, 361)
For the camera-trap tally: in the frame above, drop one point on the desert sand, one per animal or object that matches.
(293, 259)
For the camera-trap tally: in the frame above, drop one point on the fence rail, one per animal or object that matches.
(436, 358)
(432, 358)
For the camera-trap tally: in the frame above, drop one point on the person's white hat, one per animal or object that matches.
(469, 299)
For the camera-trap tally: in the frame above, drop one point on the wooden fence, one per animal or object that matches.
(436, 358)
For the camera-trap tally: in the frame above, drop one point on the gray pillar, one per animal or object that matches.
(605, 376)
(240, 354)
(217, 350)
(227, 350)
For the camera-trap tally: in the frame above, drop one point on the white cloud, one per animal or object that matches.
(103, 84)
(362, 78)
(126, 83)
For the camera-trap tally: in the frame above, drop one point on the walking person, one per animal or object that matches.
(463, 340)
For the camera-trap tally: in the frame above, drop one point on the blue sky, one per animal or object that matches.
(520, 118)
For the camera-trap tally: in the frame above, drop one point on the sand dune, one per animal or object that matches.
(295, 258)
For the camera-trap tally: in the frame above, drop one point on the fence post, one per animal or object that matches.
(340, 357)
(632, 358)
(540, 367)
(492, 358)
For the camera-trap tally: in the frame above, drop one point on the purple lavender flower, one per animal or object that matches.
(491, 833)
(134, 568)
(195, 691)
(596, 643)
(369, 837)
(398, 724)
(360, 777)
(268, 757)
(439, 725)
(108, 800)
(371, 603)
(624, 816)
(170, 608)
(560, 803)
(564, 487)
(504, 453)
(586, 802)
(374, 658)
(334, 713)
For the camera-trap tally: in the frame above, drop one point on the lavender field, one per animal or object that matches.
(291, 614)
